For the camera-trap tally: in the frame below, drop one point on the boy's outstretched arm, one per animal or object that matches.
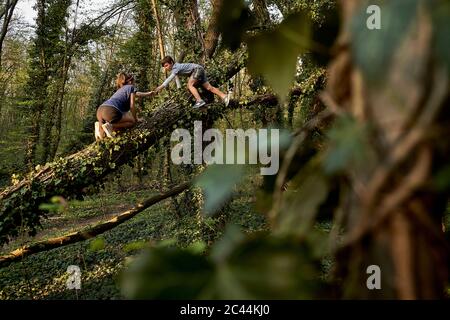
(165, 83)
(158, 89)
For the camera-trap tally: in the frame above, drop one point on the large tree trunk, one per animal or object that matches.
(189, 28)
(393, 214)
(6, 14)
(69, 177)
(162, 51)
(212, 33)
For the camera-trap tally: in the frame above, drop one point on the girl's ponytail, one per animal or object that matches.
(124, 79)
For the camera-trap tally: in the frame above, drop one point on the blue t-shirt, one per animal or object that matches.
(121, 98)
(182, 69)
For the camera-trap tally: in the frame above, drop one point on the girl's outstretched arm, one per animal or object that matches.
(144, 94)
(132, 107)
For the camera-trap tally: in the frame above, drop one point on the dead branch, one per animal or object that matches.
(89, 232)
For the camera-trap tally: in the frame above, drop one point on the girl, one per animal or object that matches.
(118, 112)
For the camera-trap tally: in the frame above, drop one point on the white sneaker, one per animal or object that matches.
(98, 133)
(199, 104)
(108, 129)
(226, 100)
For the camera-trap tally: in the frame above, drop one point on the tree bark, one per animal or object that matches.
(67, 62)
(7, 15)
(188, 22)
(158, 30)
(212, 33)
(393, 215)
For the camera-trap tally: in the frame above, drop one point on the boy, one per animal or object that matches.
(196, 74)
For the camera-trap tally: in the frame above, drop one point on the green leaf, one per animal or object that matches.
(373, 49)
(49, 207)
(264, 267)
(166, 273)
(227, 243)
(235, 18)
(441, 180)
(303, 201)
(57, 204)
(441, 22)
(197, 247)
(166, 243)
(97, 244)
(347, 145)
(274, 54)
(134, 246)
(217, 183)
(259, 267)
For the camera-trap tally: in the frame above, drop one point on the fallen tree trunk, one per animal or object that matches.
(68, 177)
(89, 232)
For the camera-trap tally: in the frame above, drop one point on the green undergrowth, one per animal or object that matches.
(44, 275)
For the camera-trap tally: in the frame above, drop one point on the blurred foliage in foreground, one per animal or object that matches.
(286, 262)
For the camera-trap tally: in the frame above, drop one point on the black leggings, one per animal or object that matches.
(108, 114)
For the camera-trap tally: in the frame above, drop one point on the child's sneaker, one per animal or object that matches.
(199, 104)
(108, 128)
(98, 134)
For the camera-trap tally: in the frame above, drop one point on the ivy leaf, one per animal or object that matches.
(166, 273)
(97, 244)
(267, 267)
(197, 247)
(441, 180)
(441, 18)
(259, 267)
(235, 18)
(307, 191)
(217, 183)
(223, 248)
(134, 246)
(274, 54)
(373, 49)
(57, 204)
(347, 145)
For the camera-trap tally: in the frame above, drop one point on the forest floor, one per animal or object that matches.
(101, 259)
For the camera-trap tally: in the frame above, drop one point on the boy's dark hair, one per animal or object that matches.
(167, 59)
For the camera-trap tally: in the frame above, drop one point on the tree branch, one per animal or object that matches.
(91, 232)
